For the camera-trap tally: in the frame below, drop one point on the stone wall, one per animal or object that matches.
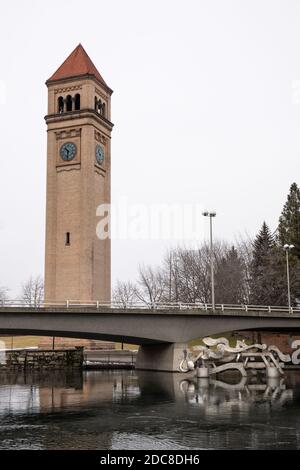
(47, 359)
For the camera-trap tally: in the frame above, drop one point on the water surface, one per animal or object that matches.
(147, 410)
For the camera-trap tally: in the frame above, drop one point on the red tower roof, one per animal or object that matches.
(78, 63)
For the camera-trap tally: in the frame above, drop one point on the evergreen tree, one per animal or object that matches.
(261, 291)
(268, 280)
(289, 221)
(262, 246)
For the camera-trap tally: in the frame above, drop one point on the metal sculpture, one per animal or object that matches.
(241, 357)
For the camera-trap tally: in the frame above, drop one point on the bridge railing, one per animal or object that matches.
(206, 307)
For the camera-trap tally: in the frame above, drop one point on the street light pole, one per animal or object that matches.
(287, 249)
(211, 215)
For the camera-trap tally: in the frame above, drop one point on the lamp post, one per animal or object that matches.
(211, 215)
(287, 248)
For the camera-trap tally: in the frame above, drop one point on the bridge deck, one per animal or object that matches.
(140, 325)
(265, 312)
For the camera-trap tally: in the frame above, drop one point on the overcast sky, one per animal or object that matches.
(206, 108)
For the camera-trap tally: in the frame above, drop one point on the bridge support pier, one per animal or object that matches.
(161, 357)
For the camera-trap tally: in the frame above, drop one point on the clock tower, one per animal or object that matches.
(77, 262)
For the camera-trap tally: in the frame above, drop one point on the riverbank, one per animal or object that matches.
(76, 358)
(71, 358)
(28, 359)
(110, 359)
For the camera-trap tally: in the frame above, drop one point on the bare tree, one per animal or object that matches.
(193, 275)
(245, 250)
(151, 286)
(170, 273)
(33, 292)
(185, 276)
(187, 273)
(124, 293)
(3, 294)
(230, 278)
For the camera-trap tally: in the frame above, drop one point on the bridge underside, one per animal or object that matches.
(152, 355)
(162, 335)
(79, 335)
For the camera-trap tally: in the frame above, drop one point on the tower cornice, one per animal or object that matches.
(78, 114)
(66, 80)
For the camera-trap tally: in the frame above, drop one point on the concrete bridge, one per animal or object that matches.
(162, 332)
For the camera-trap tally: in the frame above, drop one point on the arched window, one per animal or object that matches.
(60, 104)
(77, 101)
(99, 110)
(69, 103)
(100, 107)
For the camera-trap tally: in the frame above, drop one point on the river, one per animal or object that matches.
(146, 410)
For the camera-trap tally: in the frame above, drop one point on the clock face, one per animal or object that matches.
(68, 151)
(99, 154)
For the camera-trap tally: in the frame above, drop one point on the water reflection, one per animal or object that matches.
(144, 410)
(216, 396)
